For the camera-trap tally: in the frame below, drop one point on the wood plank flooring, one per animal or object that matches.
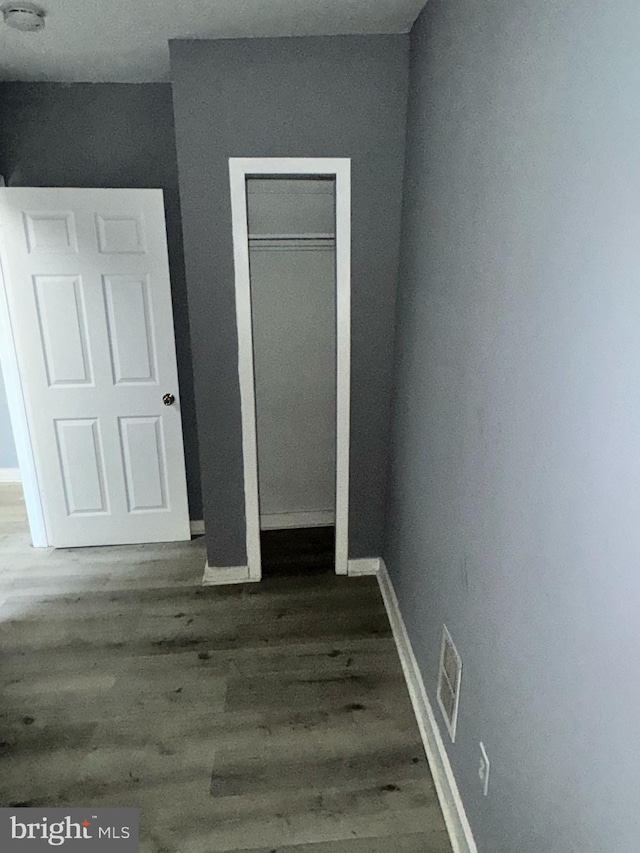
(265, 718)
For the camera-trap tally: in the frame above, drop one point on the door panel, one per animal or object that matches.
(143, 451)
(89, 298)
(63, 328)
(82, 465)
(120, 235)
(133, 356)
(50, 232)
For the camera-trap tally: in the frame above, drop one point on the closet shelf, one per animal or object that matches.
(292, 236)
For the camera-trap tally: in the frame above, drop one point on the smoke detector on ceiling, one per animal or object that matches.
(24, 16)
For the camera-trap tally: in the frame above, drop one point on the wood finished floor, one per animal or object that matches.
(264, 718)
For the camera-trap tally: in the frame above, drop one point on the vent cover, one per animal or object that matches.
(449, 676)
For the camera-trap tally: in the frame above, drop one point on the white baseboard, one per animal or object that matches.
(10, 475)
(446, 786)
(363, 566)
(217, 575)
(286, 520)
(197, 527)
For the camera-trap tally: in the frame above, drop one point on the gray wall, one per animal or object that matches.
(341, 96)
(106, 135)
(515, 485)
(8, 458)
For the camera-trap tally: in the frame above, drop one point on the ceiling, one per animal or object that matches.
(126, 40)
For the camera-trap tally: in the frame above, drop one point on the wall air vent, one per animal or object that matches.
(449, 677)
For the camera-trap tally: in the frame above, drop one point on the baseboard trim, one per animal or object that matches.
(363, 566)
(216, 575)
(197, 527)
(10, 475)
(451, 803)
(219, 575)
(291, 520)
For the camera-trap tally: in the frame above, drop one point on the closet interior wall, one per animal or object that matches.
(293, 297)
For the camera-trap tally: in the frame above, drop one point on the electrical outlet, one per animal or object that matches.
(483, 769)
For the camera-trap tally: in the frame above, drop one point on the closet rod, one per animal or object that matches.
(292, 236)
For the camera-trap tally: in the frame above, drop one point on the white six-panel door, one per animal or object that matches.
(88, 288)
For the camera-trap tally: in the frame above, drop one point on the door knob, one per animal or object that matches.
(168, 399)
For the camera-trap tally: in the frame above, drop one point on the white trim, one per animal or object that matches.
(19, 422)
(237, 178)
(451, 803)
(364, 566)
(10, 475)
(197, 527)
(287, 520)
(343, 372)
(239, 169)
(222, 575)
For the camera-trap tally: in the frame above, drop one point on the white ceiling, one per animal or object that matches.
(126, 40)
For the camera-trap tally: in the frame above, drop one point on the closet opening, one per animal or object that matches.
(291, 226)
(292, 274)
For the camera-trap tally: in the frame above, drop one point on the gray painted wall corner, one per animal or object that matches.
(514, 487)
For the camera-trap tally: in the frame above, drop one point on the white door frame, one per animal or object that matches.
(339, 168)
(18, 416)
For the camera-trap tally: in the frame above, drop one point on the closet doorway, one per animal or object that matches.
(291, 237)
